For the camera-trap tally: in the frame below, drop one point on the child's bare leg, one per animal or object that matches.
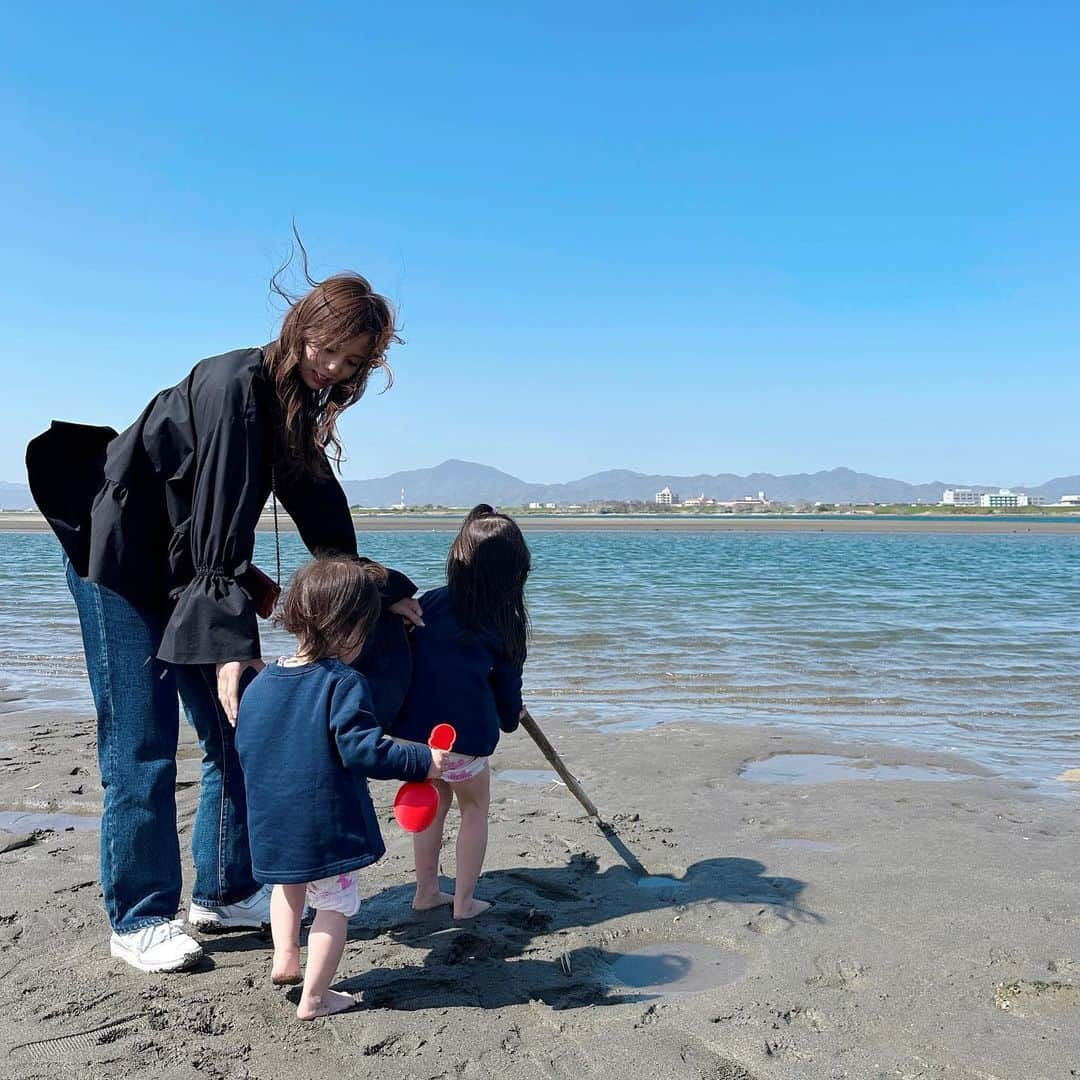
(326, 942)
(473, 798)
(286, 911)
(426, 848)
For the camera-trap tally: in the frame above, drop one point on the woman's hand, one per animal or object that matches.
(228, 684)
(409, 609)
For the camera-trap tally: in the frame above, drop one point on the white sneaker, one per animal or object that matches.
(250, 914)
(159, 947)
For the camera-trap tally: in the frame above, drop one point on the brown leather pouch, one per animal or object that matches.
(264, 590)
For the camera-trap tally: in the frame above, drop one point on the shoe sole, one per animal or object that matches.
(216, 925)
(129, 958)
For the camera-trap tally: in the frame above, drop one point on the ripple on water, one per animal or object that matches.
(861, 636)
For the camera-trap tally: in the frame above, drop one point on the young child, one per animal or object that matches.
(308, 740)
(467, 663)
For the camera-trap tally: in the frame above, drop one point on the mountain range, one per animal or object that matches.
(464, 483)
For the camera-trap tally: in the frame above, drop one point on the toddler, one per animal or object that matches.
(467, 665)
(308, 741)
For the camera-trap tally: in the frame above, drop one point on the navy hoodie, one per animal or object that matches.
(308, 740)
(460, 678)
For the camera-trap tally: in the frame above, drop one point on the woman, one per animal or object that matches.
(158, 527)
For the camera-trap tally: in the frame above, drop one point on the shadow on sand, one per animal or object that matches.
(497, 960)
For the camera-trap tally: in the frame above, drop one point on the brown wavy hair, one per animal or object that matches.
(336, 309)
(333, 604)
(485, 574)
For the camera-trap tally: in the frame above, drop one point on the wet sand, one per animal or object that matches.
(872, 914)
(842, 523)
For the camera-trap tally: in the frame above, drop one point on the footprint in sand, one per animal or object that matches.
(836, 974)
(1038, 999)
(769, 922)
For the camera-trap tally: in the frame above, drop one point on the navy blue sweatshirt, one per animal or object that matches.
(308, 741)
(461, 678)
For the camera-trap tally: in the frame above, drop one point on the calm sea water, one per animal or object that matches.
(961, 642)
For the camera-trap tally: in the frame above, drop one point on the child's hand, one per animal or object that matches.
(438, 763)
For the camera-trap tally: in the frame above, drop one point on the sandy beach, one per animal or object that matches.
(19, 521)
(913, 918)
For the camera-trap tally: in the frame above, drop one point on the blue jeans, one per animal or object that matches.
(138, 727)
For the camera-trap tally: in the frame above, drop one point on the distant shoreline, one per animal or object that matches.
(18, 521)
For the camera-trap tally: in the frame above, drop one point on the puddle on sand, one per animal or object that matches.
(659, 882)
(677, 967)
(29, 820)
(798, 843)
(537, 777)
(827, 768)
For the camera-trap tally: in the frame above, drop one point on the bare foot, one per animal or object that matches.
(331, 1002)
(429, 901)
(476, 907)
(286, 969)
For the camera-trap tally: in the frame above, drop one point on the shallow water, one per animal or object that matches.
(680, 967)
(830, 768)
(960, 642)
(29, 820)
(798, 843)
(659, 883)
(531, 777)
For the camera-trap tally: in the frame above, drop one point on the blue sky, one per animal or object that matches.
(676, 238)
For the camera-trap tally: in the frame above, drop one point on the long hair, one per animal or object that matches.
(336, 309)
(486, 571)
(333, 604)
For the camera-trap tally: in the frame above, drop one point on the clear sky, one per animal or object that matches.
(668, 237)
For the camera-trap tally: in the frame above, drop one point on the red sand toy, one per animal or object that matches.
(417, 802)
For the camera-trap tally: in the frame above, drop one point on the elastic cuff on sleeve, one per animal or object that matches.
(213, 622)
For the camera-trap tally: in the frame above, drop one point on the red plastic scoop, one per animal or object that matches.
(417, 802)
(415, 805)
(442, 737)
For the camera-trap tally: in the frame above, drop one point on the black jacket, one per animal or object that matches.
(165, 513)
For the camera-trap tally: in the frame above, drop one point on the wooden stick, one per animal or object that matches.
(571, 781)
(557, 763)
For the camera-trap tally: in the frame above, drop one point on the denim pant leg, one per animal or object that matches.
(138, 724)
(219, 840)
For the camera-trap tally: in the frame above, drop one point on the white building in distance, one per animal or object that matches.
(666, 497)
(1069, 500)
(750, 503)
(961, 497)
(1004, 499)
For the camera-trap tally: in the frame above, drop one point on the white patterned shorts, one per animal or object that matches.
(459, 767)
(339, 893)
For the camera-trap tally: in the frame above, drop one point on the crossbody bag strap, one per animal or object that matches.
(277, 533)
